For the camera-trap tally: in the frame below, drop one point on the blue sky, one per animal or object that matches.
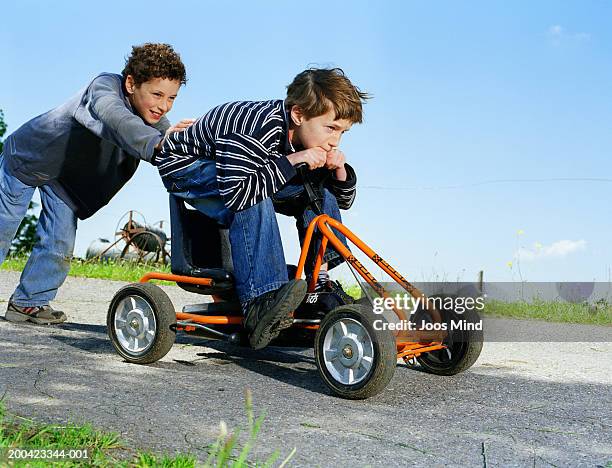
(481, 112)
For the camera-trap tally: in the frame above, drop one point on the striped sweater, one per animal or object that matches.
(248, 140)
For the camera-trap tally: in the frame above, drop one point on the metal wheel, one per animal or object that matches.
(348, 351)
(144, 247)
(135, 324)
(140, 323)
(355, 358)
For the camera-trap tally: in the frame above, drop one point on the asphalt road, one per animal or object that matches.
(522, 404)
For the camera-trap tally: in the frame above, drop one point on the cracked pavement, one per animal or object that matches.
(532, 403)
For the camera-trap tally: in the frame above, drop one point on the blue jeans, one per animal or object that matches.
(49, 262)
(257, 250)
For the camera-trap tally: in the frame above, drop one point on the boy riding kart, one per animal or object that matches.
(236, 164)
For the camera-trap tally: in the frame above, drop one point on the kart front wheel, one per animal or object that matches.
(140, 323)
(355, 357)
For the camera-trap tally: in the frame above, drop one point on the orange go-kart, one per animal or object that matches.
(356, 351)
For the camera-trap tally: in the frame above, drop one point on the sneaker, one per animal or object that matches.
(325, 285)
(41, 315)
(336, 288)
(272, 312)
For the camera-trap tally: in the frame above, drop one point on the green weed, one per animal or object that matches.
(106, 449)
(117, 270)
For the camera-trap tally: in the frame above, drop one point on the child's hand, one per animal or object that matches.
(180, 126)
(314, 157)
(335, 162)
(335, 159)
(177, 127)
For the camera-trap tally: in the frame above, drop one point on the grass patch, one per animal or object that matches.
(106, 449)
(598, 313)
(353, 290)
(118, 270)
(23, 433)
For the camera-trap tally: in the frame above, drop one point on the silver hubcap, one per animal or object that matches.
(135, 324)
(348, 351)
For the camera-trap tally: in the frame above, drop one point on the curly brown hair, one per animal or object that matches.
(149, 61)
(316, 90)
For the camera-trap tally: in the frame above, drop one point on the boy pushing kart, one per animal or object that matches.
(236, 164)
(79, 155)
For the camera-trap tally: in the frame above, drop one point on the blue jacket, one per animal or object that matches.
(85, 149)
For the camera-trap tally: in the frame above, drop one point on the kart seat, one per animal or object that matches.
(200, 248)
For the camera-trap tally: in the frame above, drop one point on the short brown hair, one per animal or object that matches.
(149, 61)
(315, 89)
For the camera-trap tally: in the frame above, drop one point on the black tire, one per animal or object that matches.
(463, 346)
(384, 359)
(163, 329)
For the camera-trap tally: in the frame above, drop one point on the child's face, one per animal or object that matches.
(323, 131)
(152, 99)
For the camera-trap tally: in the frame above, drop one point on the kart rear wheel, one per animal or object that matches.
(355, 359)
(140, 323)
(463, 347)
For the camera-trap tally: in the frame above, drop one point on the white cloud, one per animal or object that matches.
(559, 249)
(558, 34)
(555, 30)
